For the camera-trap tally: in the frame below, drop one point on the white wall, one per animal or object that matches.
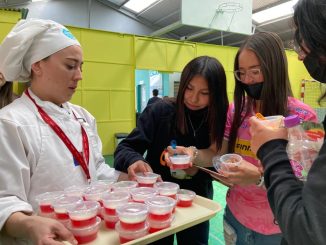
(85, 13)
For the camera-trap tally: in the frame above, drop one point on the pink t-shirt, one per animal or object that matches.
(249, 204)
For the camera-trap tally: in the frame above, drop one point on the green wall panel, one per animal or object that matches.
(109, 47)
(97, 103)
(219, 52)
(122, 105)
(150, 54)
(77, 98)
(107, 76)
(179, 54)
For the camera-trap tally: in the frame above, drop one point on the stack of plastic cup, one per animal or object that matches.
(127, 236)
(142, 193)
(105, 183)
(85, 234)
(160, 210)
(132, 216)
(83, 214)
(168, 189)
(111, 201)
(45, 201)
(185, 198)
(146, 179)
(95, 193)
(61, 206)
(124, 186)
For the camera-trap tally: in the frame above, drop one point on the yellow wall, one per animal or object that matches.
(110, 59)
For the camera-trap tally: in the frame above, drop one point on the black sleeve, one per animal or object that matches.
(132, 148)
(299, 208)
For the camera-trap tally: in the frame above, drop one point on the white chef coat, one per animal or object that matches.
(34, 160)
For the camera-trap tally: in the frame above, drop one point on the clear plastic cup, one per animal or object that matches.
(127, 235)
(180, 161)
(146, 179)
(157, 225)
(62, 204)
(95, 193)
(45, 201)
(185, 198)
(272, 121)
(168, 189)
(84, 213)
(114, 199)
(124, 186)
(142, 193)
(75, 190)
(110, 220)
(85, 234)
(132, 216)
(160, 208)
(105, 183)
(226, 161)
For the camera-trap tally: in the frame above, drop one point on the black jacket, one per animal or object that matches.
(156, 127)
(300, 209)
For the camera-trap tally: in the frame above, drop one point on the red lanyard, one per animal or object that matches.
(76, 154)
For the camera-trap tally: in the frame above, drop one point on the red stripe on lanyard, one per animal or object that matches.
(76, 154)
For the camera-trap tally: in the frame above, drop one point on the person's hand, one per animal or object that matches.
(261, 134)
(45, 231)
(179, 150)
(138, 166)
(243, 174)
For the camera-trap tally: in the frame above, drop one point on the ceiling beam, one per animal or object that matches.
(167, 29)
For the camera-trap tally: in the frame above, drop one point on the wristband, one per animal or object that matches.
(260, 182)
(195, 151)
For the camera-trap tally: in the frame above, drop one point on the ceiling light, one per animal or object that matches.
(276, 12)
(138, 5)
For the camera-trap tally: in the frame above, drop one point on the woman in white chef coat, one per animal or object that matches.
(47, 143)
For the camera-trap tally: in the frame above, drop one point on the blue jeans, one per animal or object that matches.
(246, 236)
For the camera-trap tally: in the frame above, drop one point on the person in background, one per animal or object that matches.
(6, 92)
(196, 121)
(155, 97)
(47, 143)
(299, 208)
(261, 73)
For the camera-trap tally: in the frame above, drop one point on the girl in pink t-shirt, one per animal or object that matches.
(261, 85)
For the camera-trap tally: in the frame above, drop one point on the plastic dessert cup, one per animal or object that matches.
(168, 189)
(114, 199)
(160, 208)
(75, 190)
(127, 235)
(85, 234)
(155, 225)
(185, 198)
(84, 213)
(227, 160)
(146, 179)
(110, 220)
(61, 206)
(142, 193)
(132, 216)
(124, 186)
(94, 193)
(105, 183)
(45, 201)
(180, 161)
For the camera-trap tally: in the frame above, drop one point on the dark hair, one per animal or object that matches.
(212, 70)
(155, 92)
(310, 23)
(269, 49)
(6, 94)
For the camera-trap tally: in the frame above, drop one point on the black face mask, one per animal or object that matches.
(316, 70)
(253, 90)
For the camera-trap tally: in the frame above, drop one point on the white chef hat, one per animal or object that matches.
(28, 42)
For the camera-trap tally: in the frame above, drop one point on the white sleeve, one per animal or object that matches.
(15, 171)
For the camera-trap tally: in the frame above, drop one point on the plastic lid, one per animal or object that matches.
(291, 121)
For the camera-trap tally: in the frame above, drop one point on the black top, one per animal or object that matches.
(156, 127)
(153, 100)
(300, 209)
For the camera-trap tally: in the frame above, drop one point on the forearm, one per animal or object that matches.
(17, 225)
(204, 157)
